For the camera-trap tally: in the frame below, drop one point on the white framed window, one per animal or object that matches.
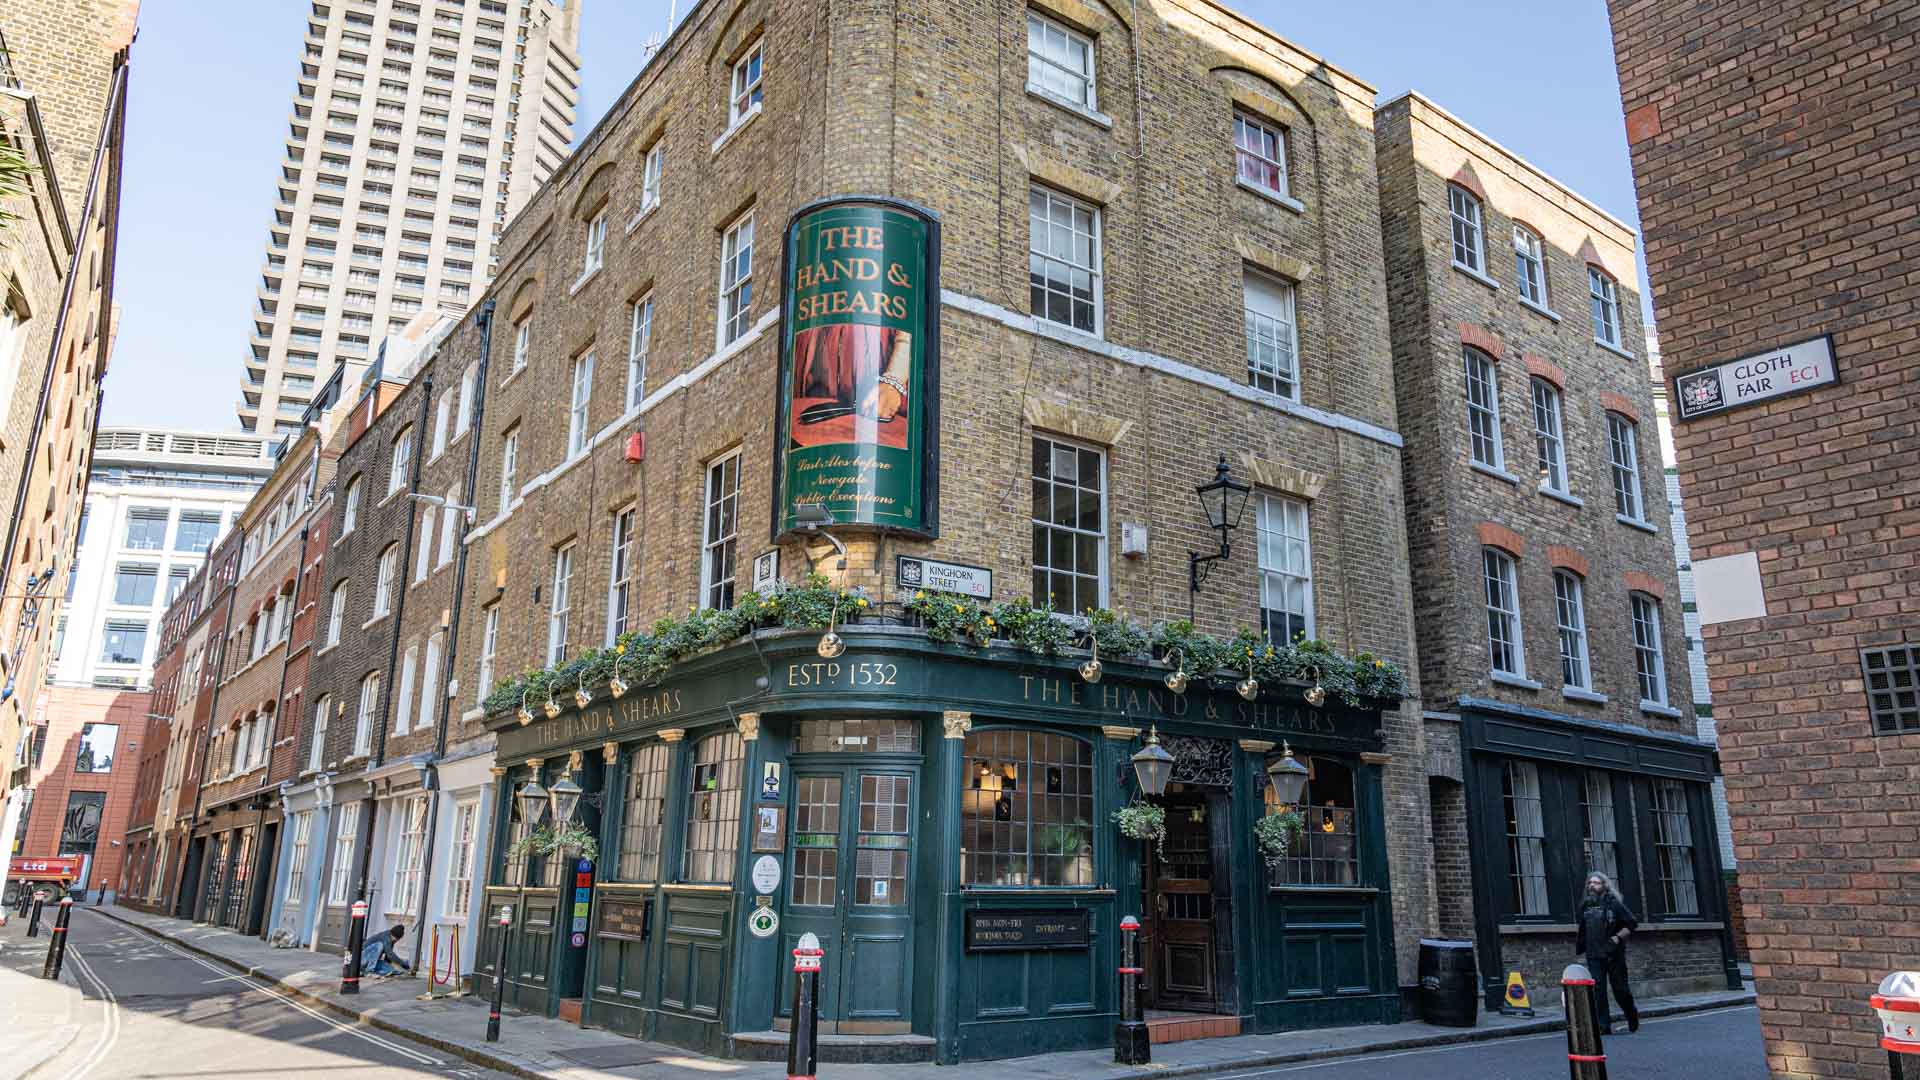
(297, 856)
(1526, 838)
(401, 461)
(317, 748)
(720, 532)
(1549, 446)
(745, 96)
(1069, 525)
(1060, 62)
(1063, 260)
(596, 243)
(442, 415)
(639, 344)
(336, 613)
(1570, 607)
(509, 462)
(1272, 352)
(581, 397)
(736, 280)
(1469, 249)
(620, 583)
(489, 647)
(403, 707)
(364, 720)
(383, 584)
(650, 175)
(1623, 453)
(466, 831)
(450, 521)
(409, 857)
(463, 408)
(1506, 651)
(430, 680)
(1260, 154)
(423, 561)
(522, 343)
(350, 507)
(1649, 656)
(1605, 295)
(345, 830)
(1530, 265)
(562, 603)
(1483, 409)
(1286, 568)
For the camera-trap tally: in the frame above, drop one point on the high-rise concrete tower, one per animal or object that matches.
(418, 128)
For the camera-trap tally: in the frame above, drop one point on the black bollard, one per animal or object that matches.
(57, 948)
(356, 939)
(499, 974)
(803, 1039)
(33, 921)
(1586, 1057)
(1132, 1044)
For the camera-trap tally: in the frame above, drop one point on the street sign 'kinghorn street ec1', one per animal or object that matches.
(1751, 380)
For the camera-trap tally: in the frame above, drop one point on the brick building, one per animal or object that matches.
(85, 768)
(1775, 179)
(63, 80)
(1552, 660)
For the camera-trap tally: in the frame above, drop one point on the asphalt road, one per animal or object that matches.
(154, 1011)
(1721, 1045)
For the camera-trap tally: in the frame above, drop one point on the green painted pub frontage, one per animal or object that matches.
(941, 818)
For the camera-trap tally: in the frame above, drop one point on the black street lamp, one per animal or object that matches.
(1225, 501)
(532, 799)
(565, 796)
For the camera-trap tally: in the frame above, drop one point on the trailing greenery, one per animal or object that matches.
(1276, 832)
(547, 841)
(1141, 820)
(644, 657)
(16, 172)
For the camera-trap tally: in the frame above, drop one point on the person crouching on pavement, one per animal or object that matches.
(377, 956)
(1605, 924)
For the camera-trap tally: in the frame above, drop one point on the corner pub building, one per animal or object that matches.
(998, 287)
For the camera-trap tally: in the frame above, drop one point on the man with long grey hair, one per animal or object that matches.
(1605, 924)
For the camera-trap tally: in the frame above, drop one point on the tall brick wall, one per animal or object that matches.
(1772, 148)
(66, 710)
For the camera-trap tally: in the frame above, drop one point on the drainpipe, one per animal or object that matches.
(443, 705)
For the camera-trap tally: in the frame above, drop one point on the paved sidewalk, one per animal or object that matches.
(38, 1019)
(537, 1047)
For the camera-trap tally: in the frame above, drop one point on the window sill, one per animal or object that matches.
(1497, 474)
(645, 213)
(583, 281)
(1074, 107)
(1614, 349)
(1680, 923)
(739, 125)
(1272, 196)
(1015, 891)
(368, 625)
(1539, 309)
(1654, 708)
(327, 648)
(1574, 693)
(1063, 333)
(512, 375)
(1637, 523)
(1520, 681)
(1562, 496)
(1476, 275)
(1539, 928)
(473, 714)
(1281, 890)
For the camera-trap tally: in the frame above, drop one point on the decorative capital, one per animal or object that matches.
(574, 760)
(749, 725)
(497, 771)
(534, 763)
(1120, 732)
(672, 734)
(609, 752)
(957, 724)
(1257, 746)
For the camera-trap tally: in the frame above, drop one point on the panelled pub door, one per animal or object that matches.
(849, 866)
(1180, 903)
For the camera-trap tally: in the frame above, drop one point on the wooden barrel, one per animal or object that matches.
(1449, 983)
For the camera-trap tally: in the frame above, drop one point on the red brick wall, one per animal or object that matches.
(1772, 146)
(65, 711)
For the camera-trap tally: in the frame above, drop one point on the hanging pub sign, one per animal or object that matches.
(858, 410)
(1750, 380)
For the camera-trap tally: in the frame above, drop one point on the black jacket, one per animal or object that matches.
(1598, 921)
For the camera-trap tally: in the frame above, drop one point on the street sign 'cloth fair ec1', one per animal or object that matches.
(1751, 380)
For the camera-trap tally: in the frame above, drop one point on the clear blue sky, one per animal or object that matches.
(212, 88)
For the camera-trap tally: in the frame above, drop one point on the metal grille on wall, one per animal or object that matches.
(1198, 759)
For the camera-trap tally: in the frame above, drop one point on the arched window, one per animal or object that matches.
(1604, 293)
(644, 814)
(1530, 265)
(1026, 810)
(1327, 850)
(713, 809)
(350, 512)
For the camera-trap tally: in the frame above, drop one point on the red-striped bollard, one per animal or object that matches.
(33, 921)
(1586, 1058)
(499, 973)
(1132, 1044)
(57, 948)
(803, 1038)
(356, 940)
(1897, 1002)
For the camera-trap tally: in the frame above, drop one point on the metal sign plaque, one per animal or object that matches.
(763, 922)
(766, 874)
(1750, 380)
(1019, 931)
(946, 577)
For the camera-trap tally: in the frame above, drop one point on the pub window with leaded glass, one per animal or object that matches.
(1526, 838)
(816, 841)
(1026, 810)
(864, 735)
(1327, 851)
(880, 845)
(642, 817)
(1601, 839)
(713, 809)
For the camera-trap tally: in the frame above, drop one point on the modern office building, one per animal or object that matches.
(157, 502)
(417, 130)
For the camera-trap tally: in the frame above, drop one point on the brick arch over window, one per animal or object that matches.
(1566, 558)
(1640, 582)
(595, 192)
(1620, 403)
(1483, 339)
(521, 305)
(1470, 180)
(1264, 96)
(1542, 368)
(1493, 534)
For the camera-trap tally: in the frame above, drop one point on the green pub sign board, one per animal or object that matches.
(858, 410)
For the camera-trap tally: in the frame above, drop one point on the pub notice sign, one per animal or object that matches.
(1750, 380)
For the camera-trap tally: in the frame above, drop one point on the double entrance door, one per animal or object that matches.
(1181, 962)
(849, 883)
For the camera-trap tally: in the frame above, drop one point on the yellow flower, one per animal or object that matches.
(920, 594)
(620, 649)
(1379, 663)
(990, 620)
(1269, 652)
(863, 601)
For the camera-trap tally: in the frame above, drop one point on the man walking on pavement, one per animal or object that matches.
(377, 956)
(1605, 924)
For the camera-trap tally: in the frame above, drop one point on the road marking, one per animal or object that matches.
(110, 1022)
(351, 1029)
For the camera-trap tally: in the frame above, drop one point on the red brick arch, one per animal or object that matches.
(1621, 404)
(1645, 583)
(1494, 534)
(1543, 368)
(1483, 339)
(1566, 558)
